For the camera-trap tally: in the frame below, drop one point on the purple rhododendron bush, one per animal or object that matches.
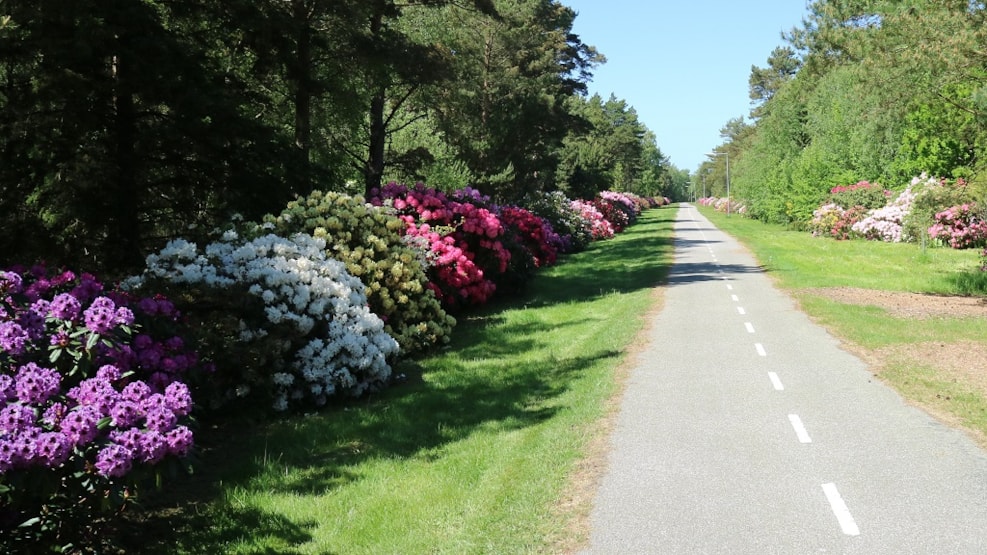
(93, 402)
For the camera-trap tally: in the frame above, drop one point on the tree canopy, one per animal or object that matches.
(864, 90)
(126, 123)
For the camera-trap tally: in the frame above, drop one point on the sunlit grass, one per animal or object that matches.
(470, 455)
(799, 260)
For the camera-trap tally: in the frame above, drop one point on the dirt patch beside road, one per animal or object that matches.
(907, 305)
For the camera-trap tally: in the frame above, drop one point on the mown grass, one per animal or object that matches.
(800, 262)
(471, 454)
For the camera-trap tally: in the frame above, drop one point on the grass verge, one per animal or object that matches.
(472, 454)
(936, 363)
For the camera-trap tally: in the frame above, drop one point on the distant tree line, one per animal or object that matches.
(863, 90)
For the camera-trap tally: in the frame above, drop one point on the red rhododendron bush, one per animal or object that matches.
(473, 244)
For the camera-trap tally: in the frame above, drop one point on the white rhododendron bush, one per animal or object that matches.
(286, 324)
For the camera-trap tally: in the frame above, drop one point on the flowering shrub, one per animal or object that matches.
(932, 196)
(467, 275)
(370, 241)
(91, 399)
(885, 224)
(558, 210)
(617, 213)
(824, 219)
(599, 227)
(535, 234)
(621, 206)
(863, 193)
(961, 227)
(286, 323)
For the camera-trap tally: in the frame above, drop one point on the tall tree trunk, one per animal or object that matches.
(374, 167)
(123, 223)
(300, 178)
(374, 170)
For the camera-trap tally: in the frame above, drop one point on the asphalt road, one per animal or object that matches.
(745, 428)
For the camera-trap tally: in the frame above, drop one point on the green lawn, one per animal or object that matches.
(471, 454)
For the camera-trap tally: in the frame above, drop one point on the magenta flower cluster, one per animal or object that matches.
(56, 413)
(465, 233)
(960, 227)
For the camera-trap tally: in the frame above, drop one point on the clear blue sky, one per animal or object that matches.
(682, 64)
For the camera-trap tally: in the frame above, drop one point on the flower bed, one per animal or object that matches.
(93, 400)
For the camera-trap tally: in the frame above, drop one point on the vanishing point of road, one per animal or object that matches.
(745, 428)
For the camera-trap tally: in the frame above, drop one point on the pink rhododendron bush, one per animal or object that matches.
(93, 401)
(720, 204)
(887, 223)
(618, 208)
(599, 226)
(287, 326)
(371, 241)
(960, 227)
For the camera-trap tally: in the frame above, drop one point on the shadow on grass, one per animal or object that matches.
(970, 282)
(634, 260)
(498, 374)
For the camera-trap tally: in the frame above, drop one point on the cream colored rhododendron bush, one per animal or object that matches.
(370, 241)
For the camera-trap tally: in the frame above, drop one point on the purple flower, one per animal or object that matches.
(7, 390)
(16, 417)
(153, 446)
(52, 448)
(13, 338)
(124, 316)
(54, 414)
(8, 454)
(94, 392)
(87, 289)
(108, 372)
(136, 391)
(65, 307)
(148, 306)
(17, 450)
(125, 413)
(10, 282)
(60, 338)
(36, 384)
(179, 441)
(100, 317)
(147, 446)
(80, 425)
(178, 398)
(160, 419)
(33, 320)
(114, 460)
